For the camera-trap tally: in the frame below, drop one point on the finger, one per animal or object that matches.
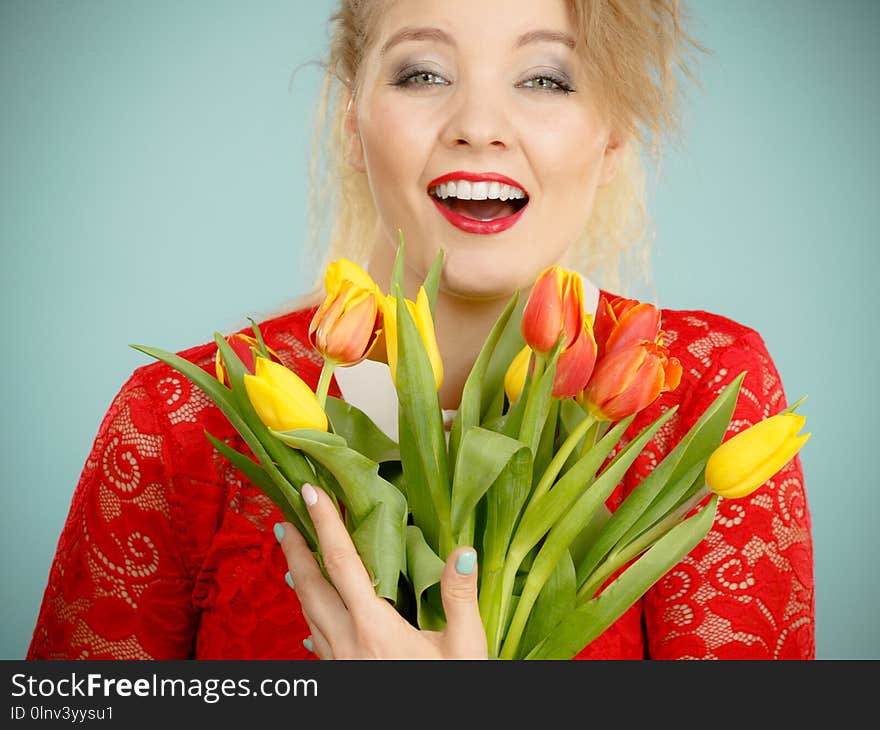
(343, 564)
(464, 636)
(316, 642)
(318, 599)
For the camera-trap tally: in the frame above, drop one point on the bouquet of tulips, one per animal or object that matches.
(523, 476)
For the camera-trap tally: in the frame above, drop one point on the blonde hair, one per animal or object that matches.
(633, 51)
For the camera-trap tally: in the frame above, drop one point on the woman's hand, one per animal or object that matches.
(349, 621)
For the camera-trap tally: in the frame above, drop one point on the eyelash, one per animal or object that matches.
(560, 84)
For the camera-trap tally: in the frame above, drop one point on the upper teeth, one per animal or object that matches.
(466, 190)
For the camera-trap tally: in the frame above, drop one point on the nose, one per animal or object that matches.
(477, 121)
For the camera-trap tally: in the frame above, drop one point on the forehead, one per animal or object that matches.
(482, 24)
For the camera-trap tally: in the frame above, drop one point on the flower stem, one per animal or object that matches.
(555, 466)
(621, 556)
(324, 381)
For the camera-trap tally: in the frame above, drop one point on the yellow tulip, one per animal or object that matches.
(421, 314)
(281, 399)
(515, 377)
(345, 270)
(745, 461)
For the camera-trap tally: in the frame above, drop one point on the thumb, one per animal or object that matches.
(465, 637)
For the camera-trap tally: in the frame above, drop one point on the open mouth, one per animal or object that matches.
(480, 201)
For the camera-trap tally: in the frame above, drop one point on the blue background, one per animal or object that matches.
(153, 189)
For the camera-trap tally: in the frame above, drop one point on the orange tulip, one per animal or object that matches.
(622, 322)
(243, 346)
(346, 325)
(629, 379)
(555, 306)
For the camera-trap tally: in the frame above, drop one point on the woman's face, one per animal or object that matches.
(479, 136)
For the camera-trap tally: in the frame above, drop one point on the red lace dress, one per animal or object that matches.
(168, 551)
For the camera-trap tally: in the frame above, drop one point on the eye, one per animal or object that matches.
(548, 82)
(415, 78)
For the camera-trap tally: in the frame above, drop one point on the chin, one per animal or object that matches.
(474, 277)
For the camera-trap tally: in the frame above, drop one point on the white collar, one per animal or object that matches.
(368, 385)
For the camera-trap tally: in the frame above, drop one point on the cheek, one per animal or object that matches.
(398, 165)
(569, 155)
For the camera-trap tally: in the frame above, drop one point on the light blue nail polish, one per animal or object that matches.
(307, 643)
(466, 563)
(279, 531)
(289, 578)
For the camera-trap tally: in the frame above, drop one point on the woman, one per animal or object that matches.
(506, 133)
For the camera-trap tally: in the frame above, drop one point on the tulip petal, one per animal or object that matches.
(641, 322)
(641, 392)
(760, 473)
(542, 318)
(343, 269)
(612, 376)
(575, 365)
(292, 401)
(515, 377)
(750, 451)
(425, 323)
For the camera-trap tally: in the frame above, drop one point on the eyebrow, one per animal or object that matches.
(440, 36)
(544, 36)
(417, 34)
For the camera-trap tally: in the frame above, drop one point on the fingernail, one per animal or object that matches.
(279, 531)
(289, 578)
(309, 494)
(466, 562)
(307, 643)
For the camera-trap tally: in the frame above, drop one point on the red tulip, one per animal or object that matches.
(622, 322)
(576, 363)
(555, 305)
(629, 379)
(243, 346)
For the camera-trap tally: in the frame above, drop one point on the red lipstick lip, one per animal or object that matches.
(476, 177)
(472, 225)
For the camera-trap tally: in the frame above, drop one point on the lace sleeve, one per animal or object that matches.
(746, 592)
(118, 587)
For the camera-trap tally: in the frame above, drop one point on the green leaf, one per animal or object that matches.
(547, 442)
(509, 343)
(469, 410)
(538, 401)
(571, 415)
(378, 538)
(672, 495)
(421, 422)
(564, 531)
(381, 533)
(259, 338)
(360, 432)
(484, 455)
(588, 535)
(592, 618)
(424, 568)
(432, 280)
(398, 268)
(557, 599)
(794, 406)
(503, 504)
(650, 501)
(542, 514)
